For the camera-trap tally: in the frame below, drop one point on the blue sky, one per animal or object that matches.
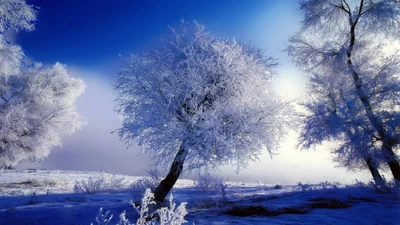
(90, 36)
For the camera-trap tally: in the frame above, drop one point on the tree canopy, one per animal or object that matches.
(353, 82)
(207, 93)
(37, 103)
(201, 100)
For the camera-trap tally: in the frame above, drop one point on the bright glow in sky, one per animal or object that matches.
(89, 37)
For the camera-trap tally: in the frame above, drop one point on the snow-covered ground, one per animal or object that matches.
(47, 197)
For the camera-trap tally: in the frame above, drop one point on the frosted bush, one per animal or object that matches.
(171, 215)
(91, 186)
(99, 184)
(116, 183)
(304, 187)
(210, 184)
(328, 185)
(357, 184)
(139, 187)
(123, 220)
(146, 217)
(387, 187)
(166, 215)
(103, 218)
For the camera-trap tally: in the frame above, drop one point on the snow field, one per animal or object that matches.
(47, 197)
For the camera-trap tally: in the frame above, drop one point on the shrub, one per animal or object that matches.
(387, 187)
(103, 218)
(91, 186)
(328, 185)
(304, 187)
(139, 187)
(210, 184)
(99, 184)
(116, 183)
(171, 215)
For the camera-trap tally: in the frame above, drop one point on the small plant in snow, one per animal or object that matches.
(304, 187)
(328, 185)
(320, 186)
(99, 184)
(139, 187)
(151, 181)
(123, 220)
(209, 187)
(389, 187)
(33, 200)
(210, 184)
(166, 215)
(357, 184)
(91, 186)
(171, 215)
(145, 216)
(116, 183)
(386, 187)
(103, 218)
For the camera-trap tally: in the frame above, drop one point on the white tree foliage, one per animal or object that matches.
(10, 60)
(354, 86)
(17, 15)
(37, 104)
(206, 94)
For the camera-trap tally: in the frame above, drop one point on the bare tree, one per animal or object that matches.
(353, 81)
(200, 100)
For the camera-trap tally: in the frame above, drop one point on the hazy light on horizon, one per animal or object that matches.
(95, 148)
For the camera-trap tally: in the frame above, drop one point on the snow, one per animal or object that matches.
(47, 197)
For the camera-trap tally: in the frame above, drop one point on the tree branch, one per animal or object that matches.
(342, 7)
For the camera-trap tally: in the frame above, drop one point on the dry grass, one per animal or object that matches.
(29, 183)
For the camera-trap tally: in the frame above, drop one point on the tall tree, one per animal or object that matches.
(200, 100)
(353, 80)
(36, 103)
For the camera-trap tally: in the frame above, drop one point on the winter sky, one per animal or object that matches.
(93, 36)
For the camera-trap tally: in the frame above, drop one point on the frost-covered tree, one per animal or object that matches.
(200, 100)
(353, 80)
(14, 15)
(36, 103)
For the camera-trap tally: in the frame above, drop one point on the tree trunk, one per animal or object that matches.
(374, 171)
(392, 161)
(395, 169)
(169, 181)
(375, 121)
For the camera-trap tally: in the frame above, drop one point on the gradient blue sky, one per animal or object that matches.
(92, 37)
(93, 33)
